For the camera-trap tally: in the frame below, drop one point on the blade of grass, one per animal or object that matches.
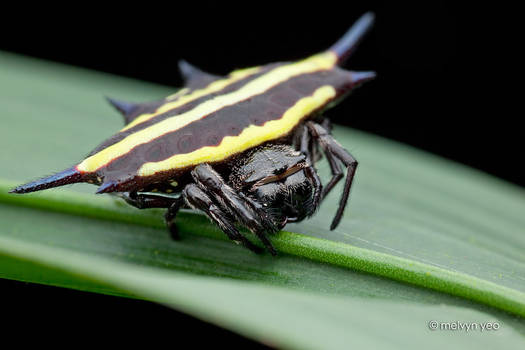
(313, 248)
(412, 217)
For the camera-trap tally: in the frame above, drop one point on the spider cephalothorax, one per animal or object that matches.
(239, 148)
(281, 179)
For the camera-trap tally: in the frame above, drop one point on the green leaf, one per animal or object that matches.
(422, 239)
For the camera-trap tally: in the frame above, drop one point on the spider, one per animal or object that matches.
(239, 148)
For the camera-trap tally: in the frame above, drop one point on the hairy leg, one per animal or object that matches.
(147, 201)
(335, 168)
(328, 143)
(247, 211)
(170, 216)
(198, 199)
(310, 171)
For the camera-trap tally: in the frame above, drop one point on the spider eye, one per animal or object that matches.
(280, 170)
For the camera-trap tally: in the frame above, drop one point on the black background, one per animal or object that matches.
(443, 83)
(443, 71)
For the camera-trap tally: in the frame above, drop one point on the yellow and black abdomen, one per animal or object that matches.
(264, 105)
(208, 121)
(213, 119)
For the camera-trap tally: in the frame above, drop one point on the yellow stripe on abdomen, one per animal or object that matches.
(255, 87)
(250, 137)
(183, 99)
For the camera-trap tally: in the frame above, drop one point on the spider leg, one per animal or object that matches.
(250, 213)
(147, 201)
(337, 173)
(170, 216)
(327, 124)
(198, 199)
(310, 171)
(328, 142)
(335, 168)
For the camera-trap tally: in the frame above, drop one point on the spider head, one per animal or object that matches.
(274, 176)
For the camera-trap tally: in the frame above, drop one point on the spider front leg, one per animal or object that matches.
(333, 148)
(247, 211)
(198, 199)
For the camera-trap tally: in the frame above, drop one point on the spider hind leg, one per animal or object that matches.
(148, 201)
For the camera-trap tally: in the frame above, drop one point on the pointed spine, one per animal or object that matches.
(193, 75)
(345, 46)
(126, 108)
(68, 176)
(362, 77)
